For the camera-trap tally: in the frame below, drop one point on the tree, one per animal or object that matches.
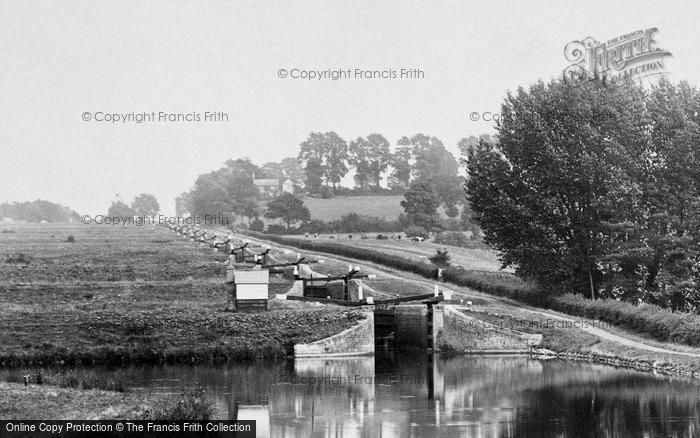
(359, 151)
(120, 209)
(183, 204)
(424, 158)
(401, 164)
(420, 205)
(289, 208)
(210, 194)
(370, 158)
(336, 163)
(272, 170)
(292, 169)
(242, 192)
(145, 205)
(324, 157)
(561, 176)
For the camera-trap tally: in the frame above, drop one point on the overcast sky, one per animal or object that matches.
(59, 59)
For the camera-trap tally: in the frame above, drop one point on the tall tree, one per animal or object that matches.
(370, 158)
(401, 165)
(242, 191)
(435, 165)
(561, 174)
(324, 156)
(289, 208)
(145, 205)
(183, 204)
(313, 153)
(420, 205)
(292, 170)
(336, 163)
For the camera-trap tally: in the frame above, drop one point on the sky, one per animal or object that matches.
(64, 62)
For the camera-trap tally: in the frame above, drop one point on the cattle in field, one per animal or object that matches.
(416, 239)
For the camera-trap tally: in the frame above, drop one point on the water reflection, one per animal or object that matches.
(417, 395)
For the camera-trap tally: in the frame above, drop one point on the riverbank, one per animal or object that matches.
(178, 334)
(47, 402)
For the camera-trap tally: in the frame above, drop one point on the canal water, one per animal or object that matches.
(399, 394)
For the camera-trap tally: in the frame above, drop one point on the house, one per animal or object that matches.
(288, 186)
(269, 187)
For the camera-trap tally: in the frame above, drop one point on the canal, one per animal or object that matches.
(412, 394)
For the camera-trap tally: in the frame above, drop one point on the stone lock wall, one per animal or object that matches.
(355, 341)
(464, 333)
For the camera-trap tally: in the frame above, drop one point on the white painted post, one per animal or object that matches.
(360, 295)
(370, 300)
(437, 291)
(439, 274)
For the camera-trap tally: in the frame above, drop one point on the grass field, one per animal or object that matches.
(385, 207)
(477, 259)
(135, 294)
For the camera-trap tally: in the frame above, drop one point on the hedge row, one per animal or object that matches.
(649, 320)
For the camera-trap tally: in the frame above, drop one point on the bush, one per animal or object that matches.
(415, 231)
(453, 238)
(257, 225)
(70, 239)
(193, 406)
(18, 258)
(441, 258)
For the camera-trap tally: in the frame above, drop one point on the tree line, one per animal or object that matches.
(37, 211)
(419, 166)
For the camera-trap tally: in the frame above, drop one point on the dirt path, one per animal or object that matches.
(469, 293)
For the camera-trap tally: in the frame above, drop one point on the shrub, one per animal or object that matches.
(70, 239)
(415, 231)
(193, 406)
(441, 258)
(18, 258)
(257, 225)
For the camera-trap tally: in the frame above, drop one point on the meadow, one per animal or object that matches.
(134, 295)
(384, 207)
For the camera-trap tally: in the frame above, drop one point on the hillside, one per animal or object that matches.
(386, 207)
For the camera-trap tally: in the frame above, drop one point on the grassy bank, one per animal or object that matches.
(172, 335)
(648, 320)
(45, 402)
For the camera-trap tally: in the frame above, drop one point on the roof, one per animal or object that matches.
(265, 182)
